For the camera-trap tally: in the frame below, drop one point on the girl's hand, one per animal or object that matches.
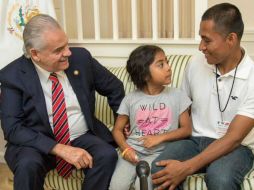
(150, 141)
(131, 156)
(127, 130)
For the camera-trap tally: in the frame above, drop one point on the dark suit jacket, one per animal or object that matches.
(24, 115)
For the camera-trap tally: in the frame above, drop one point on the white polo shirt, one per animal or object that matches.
(200, 84)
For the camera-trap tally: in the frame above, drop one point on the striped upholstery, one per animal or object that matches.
(196, 182)
(104, 113)
(55, 182)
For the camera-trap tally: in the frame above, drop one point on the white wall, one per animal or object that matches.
(110, 54)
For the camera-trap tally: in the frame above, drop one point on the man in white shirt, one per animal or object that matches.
(220, 84)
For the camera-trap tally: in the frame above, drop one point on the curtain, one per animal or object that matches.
(165, 19)
(124, 20)
(186, 16)
(144, 19)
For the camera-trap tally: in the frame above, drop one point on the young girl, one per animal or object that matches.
(154, 112)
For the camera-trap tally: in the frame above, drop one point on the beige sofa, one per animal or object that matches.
(103, 112)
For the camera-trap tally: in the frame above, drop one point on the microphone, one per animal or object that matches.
(143, 171)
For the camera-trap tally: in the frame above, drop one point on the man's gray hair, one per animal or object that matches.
(33, 33)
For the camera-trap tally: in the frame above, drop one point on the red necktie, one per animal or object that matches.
(60, 123)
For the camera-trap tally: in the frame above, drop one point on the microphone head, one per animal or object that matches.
(143, 169)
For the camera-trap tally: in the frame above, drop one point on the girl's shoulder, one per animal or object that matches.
(172, 90)
(175, 93)
(133, 94)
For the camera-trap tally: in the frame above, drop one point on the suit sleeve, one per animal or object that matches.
(107, 84)
(17, 126)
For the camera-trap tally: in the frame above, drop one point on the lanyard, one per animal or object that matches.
(218, 95)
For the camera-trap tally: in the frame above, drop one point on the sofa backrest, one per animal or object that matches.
(102, 109)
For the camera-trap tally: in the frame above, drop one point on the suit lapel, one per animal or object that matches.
(32, 83)
(80, 88)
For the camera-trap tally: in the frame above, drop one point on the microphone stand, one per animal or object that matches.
(143, 170)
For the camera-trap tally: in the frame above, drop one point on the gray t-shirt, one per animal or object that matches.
(152, 115)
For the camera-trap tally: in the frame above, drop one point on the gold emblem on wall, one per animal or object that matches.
(18, 15)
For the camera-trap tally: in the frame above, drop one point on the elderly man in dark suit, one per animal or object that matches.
(48, 104)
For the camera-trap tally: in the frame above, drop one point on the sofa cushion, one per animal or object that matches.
(194, 182)
(55, 182)
(197, 182)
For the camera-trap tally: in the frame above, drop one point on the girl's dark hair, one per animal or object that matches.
(138, 64)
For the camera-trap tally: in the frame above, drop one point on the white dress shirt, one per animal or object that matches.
(76, 119)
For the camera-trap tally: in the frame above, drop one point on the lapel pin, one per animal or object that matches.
(76, 72)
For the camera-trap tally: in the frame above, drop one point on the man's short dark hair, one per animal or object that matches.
(227, 19)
